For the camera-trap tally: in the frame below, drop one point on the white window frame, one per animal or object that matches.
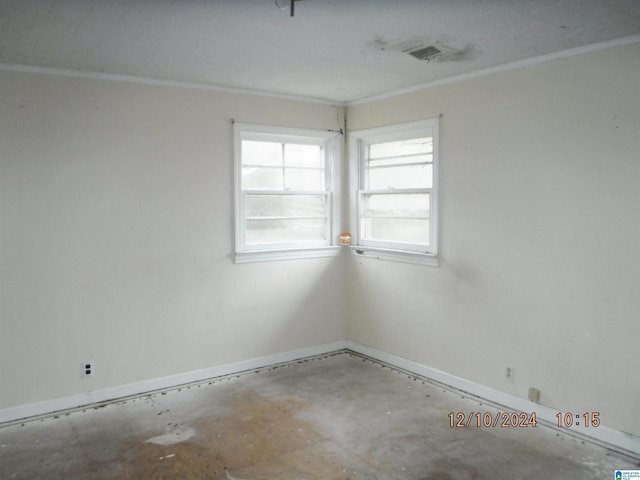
(358, 143)
(259, 253)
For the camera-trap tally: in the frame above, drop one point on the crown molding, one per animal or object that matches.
(116, 77)
(596, 47)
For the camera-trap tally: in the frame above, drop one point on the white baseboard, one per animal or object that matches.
(13, 414)
(608, 437)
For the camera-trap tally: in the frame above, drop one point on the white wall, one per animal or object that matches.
(116, 234)
(116, 238)
(540, 237)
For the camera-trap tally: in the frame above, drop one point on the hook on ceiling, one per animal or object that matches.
(287, 4)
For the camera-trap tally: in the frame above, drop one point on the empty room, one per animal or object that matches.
(319, 239)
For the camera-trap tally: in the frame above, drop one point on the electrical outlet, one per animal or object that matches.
(508, 373)
(534, 395)
(88, 369)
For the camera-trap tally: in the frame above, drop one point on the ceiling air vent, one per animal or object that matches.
(425, 53)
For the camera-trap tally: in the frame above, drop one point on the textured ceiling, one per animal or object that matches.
(333, 50)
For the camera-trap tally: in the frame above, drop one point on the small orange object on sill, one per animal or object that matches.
(345, 239)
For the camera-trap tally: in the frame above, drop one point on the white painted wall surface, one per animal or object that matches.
(540, 238)
(116, 238)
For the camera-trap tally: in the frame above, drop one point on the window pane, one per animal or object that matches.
(285, 231)
(304, 179)
(303, 155)
(395, 186)
(427, 158)
(285, 206)
(402, 218)
(261, 153)
(284, 191)
(415, 205)
(412, 176)
(401, 230)
(265, 178)
(402, 147)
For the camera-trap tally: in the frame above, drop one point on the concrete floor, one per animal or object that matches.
(338, 416)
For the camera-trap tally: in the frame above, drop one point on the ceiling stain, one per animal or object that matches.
(469, 52)
(424, 49)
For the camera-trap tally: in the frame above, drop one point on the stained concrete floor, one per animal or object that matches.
(338, 416)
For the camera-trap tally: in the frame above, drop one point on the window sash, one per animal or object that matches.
(365, 222)
(412, 220)
(280, 242)
(312, 229)
(284, 177)
(294, 220)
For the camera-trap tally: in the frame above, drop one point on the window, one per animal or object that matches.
(394, 173)
(286, 205)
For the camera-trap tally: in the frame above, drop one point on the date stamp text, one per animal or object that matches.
(487, 419)
(520, 419)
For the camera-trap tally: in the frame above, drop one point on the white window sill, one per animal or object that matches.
(395, 255)
(291, 254)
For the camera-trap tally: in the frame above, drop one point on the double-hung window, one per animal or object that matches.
(394, 191)
(286, 184)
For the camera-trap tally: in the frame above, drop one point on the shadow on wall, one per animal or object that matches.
(289, 305)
